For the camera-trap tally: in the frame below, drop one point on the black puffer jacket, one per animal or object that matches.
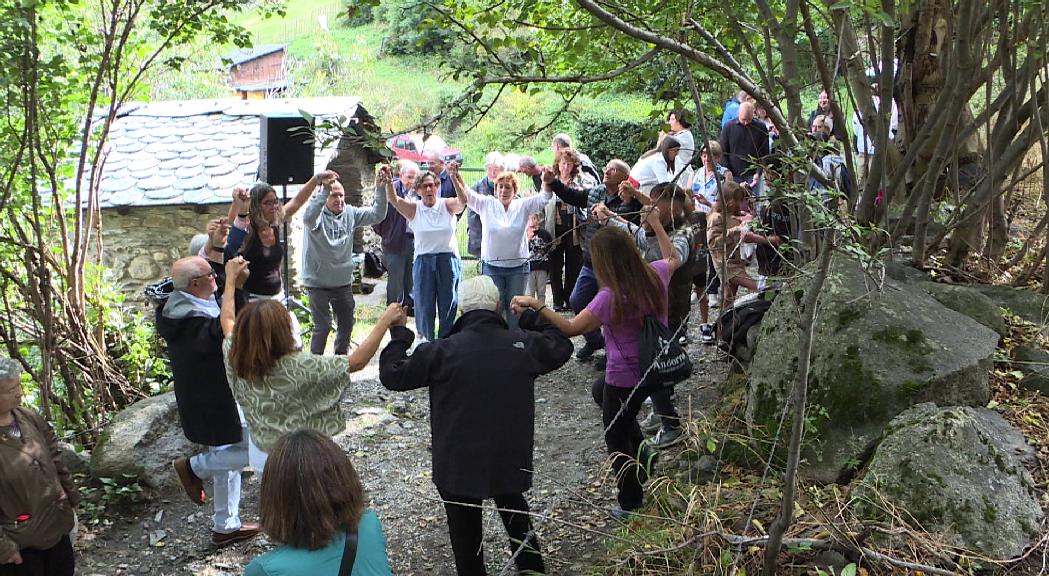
(482, 397)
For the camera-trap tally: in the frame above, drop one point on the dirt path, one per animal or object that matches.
(388, 437)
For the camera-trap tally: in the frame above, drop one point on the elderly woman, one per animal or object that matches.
(482, 413)
(493, 167)
(38, 498)
(566, 258)
(436, 270)
(504, 240)
(279, 387)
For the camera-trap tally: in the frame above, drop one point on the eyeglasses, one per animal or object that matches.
(208, 275)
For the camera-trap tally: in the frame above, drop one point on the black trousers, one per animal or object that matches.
(623, 437)
(565, 262)
(466, 533)
(57, 560)
(662, 402)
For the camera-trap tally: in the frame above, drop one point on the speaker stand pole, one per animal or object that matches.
(287, 252)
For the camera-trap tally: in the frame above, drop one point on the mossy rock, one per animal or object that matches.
(877, 350)
(1027, 304)
(1034, 363)
(957, 473)
(141, 441)
(970, 301)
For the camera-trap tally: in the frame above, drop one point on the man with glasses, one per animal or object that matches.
(189, 323)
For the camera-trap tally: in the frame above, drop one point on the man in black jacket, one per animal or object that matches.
(189, 322)
(482, 415)
(608, 193)
(745, 143)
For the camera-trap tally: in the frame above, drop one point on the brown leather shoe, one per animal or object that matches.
(193, 485)
(247, 530)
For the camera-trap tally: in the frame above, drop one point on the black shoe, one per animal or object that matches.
(561, 308)
(586, 353)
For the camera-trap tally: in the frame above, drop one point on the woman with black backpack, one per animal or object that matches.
(629, 290)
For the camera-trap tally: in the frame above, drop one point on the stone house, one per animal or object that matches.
(171, 167)
(258, 72)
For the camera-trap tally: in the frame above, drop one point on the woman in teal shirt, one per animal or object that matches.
(310, 496)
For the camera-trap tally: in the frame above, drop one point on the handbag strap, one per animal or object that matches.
(349, 554)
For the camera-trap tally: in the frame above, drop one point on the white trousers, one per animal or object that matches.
(222, 465)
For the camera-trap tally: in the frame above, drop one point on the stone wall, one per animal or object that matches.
(139, 244)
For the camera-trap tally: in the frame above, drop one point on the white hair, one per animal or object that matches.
(9, 369)
(563, 140)
(185, 270)
(493, 159)
(478, 293)
(511, 162)
(403, 165)
(526, 161)
(197, 243)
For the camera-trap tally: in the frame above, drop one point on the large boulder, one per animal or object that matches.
(1027, 304)
(970, 301)
(141, 441)
(1033, 361)
(956, 472)
(877, 350)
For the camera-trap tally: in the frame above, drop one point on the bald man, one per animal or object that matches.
(189, 323)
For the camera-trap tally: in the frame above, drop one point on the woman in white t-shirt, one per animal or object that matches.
(657, 166)
(504, 242)
(436, 269)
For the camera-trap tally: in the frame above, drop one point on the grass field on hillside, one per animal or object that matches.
(398, 91)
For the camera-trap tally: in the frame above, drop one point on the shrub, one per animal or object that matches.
(604, 139)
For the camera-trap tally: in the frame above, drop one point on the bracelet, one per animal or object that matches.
(540, 309)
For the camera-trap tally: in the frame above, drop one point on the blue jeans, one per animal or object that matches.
(436, 282)
(510, 282)
(584, 291)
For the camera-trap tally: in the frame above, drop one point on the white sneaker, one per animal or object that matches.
(712, 300)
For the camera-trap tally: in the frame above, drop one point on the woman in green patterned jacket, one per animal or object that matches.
(280, 387)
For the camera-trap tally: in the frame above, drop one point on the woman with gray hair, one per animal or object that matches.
(38, 500)
(482, 412)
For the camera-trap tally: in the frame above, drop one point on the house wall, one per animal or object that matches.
(140, 244)
(264, 70)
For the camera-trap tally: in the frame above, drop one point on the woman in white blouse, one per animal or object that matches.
(436, 269)
(504, 242)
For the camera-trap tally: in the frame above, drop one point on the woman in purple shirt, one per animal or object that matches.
(630, 288)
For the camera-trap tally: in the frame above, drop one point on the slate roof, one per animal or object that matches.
(243, 55)
(195, 151)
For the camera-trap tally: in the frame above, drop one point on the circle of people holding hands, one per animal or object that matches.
(616, 246)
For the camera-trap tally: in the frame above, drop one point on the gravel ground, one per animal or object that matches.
(388, 438)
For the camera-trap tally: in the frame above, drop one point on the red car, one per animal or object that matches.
(411, 147)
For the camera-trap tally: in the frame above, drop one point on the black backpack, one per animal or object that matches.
(734, 324)
(659, 350)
